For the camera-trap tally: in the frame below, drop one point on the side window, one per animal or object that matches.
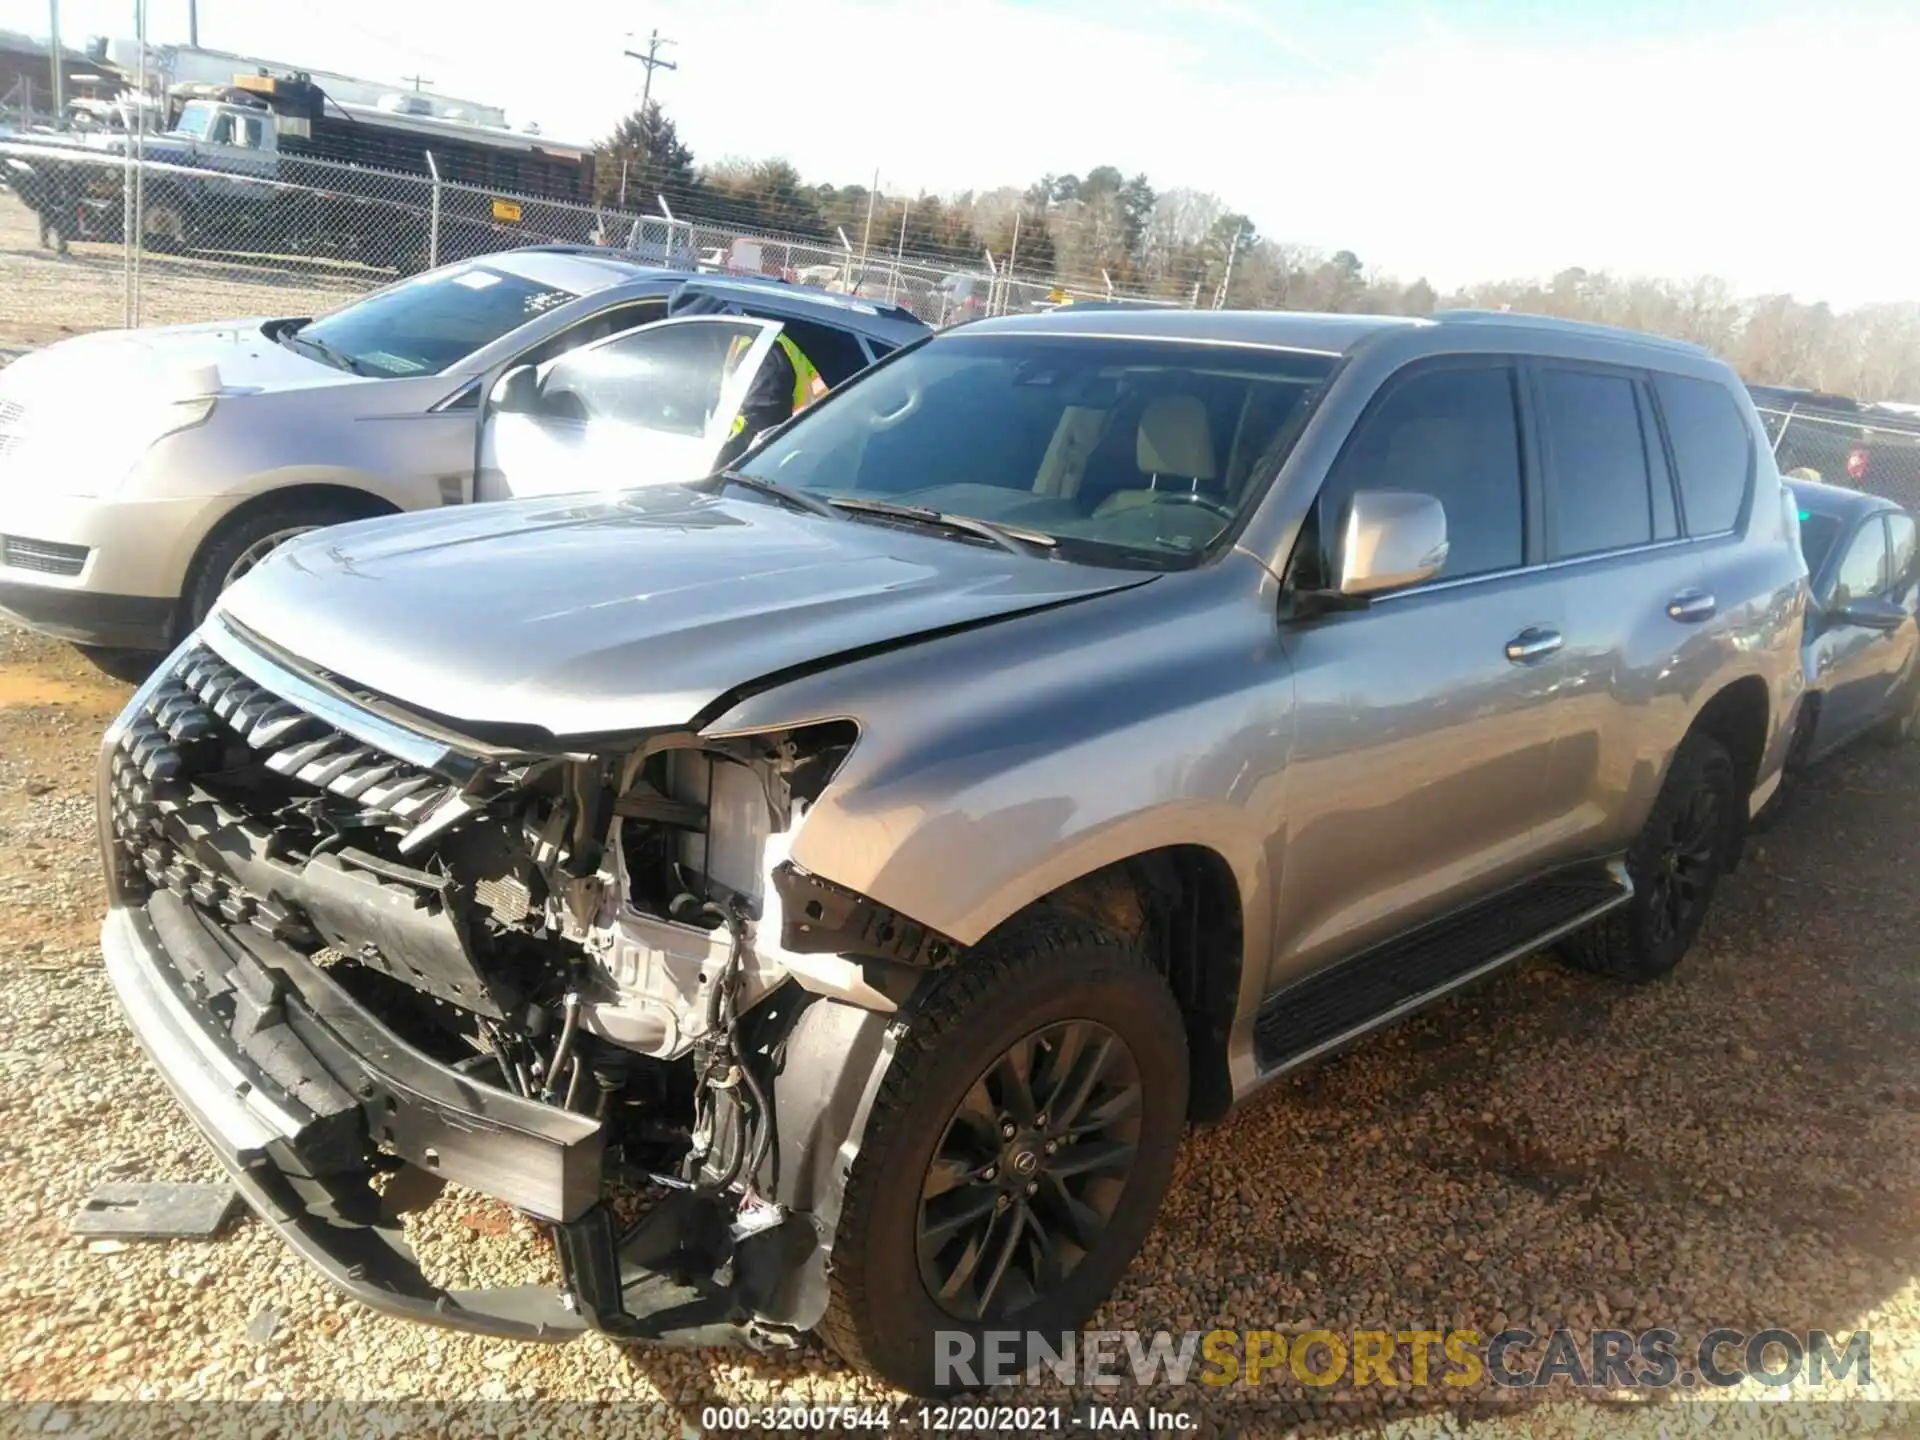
(667, 378)
(1712, 448)
(1863, 569)
(1601, 491)
(611, 321)
(1900, 563)
(1666, 520)
(835, 353)
(1452, 433)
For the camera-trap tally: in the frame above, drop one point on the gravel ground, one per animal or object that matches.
(45, 296)
(1732, 1147)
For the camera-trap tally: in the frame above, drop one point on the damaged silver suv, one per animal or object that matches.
(823, 894)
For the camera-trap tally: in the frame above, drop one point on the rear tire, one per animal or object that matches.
(1058, 991)
(246, 540)
(1689, 841)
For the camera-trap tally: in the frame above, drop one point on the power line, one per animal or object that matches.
(653, 62)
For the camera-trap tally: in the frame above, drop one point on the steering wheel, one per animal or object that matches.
(1193, 497)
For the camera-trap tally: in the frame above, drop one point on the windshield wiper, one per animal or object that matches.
(1014, 538)
(786, 494)
(339, 359)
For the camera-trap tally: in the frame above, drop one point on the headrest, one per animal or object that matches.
(1175, 438)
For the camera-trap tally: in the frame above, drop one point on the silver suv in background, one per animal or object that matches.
(885, 848)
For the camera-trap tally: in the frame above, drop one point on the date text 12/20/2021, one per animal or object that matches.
(934, 1419)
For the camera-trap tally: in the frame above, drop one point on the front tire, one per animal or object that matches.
(1689, 841)
(1016, 1154)
(249, 538)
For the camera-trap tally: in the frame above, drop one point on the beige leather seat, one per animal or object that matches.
(1174, 449)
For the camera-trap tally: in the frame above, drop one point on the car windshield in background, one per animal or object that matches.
(423, 325)
(1128, 452)
(1817, 534)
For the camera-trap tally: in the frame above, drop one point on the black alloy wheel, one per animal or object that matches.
(1029, 1169)
(1685, 867)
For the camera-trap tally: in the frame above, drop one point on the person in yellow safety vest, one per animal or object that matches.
(787, 383)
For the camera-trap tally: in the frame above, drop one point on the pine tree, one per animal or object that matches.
(646, 157)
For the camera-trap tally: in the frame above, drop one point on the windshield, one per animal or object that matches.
(195, 120)
(423, 325)
(1817, 534)
(1130, 452)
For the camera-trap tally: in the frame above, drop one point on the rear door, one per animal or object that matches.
(652, 406)
(1632, 591)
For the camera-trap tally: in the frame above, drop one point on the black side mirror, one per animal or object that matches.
(517, 392)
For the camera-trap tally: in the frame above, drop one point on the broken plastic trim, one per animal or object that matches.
(820, 917)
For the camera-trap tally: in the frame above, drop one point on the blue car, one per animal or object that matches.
(1862, 639)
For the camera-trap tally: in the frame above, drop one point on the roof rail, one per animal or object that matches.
(1571, 327)
(614, 252)
(887, 309)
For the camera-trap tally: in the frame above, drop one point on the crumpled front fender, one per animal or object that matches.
(828, 1065)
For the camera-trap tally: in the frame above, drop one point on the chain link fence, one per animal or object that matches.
(1864, 451)
(279, 222)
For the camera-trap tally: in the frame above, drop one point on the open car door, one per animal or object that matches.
(650, 406)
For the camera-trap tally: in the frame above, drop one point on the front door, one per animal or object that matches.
(652, 406)
(1424, 763)
(1854, 666)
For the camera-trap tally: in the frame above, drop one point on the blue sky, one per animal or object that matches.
(1462, 139)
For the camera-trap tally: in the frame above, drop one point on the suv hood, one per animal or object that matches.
(112, 361)
(588, 615)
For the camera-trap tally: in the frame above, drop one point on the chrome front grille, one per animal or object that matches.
(266, 797)
(205, 695)
(49, 557)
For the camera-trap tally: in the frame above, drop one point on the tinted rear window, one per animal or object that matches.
(1602, 494)
(1711, 447)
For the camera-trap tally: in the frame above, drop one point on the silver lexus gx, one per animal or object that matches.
(824, 893)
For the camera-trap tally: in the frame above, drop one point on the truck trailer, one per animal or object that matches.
(273, 165)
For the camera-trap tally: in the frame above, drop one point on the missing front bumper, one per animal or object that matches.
(293, 1091)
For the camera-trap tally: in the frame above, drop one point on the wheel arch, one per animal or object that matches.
(1739, 716)
(1182, 905)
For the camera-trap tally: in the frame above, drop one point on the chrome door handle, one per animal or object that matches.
(1690, 606)
(1532, 644)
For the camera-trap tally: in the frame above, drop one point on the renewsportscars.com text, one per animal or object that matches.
(1415, 1359)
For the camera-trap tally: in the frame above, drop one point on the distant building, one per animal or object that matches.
(26, 74)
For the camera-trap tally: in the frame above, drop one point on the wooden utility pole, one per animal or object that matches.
(417, 80)
(653, 62)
